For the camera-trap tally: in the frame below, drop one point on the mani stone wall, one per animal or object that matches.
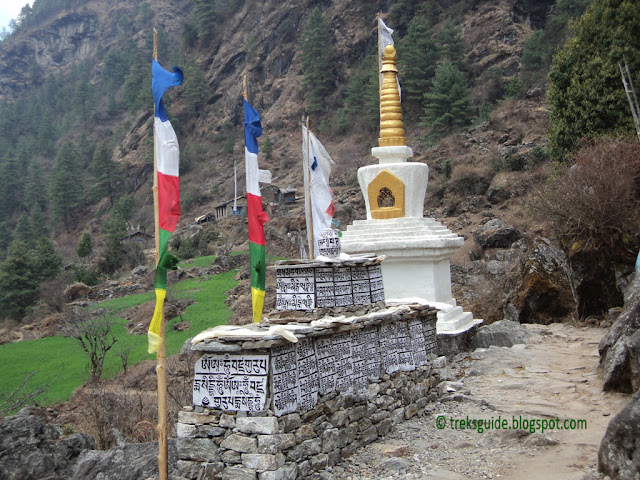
(303, 426)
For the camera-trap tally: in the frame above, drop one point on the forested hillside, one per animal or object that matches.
(76, 112)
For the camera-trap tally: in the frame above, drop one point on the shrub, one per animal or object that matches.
(188, 249)
(513, 88)
(595, 203)
(208, 235)
(470, 180)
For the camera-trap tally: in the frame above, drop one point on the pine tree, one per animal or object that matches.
(267, 147)
(85, 245)
(18, 282)
(205, 15)
(447, 105)
(35, 192)
(317, 57)
(11, 185)
(83, 96)
(586, 94)
(195, 87)
(24, 232)
(450, 45)
(6, 239)
(108, 177)
(65, 185)
(47, 261)
(115, 229)
(417, 59)
(38, 222)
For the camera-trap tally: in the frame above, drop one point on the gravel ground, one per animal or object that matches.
(553, 376)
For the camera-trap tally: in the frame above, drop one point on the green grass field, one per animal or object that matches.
(61, 363)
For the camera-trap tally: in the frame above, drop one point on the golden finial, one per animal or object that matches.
(391, 125)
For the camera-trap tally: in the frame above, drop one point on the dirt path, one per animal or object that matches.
(553, 377)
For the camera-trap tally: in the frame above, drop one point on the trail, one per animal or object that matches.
(554, 377)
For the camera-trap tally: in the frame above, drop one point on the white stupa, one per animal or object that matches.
(417, 249)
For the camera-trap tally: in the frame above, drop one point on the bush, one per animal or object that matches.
(595, 203)
(188, 249)
(513, 88)
(447, 168)
(208, 235)
(470, 180)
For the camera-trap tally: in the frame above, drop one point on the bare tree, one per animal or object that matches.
(20, 396)
(95, 337)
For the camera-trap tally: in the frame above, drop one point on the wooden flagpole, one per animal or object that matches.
(312, 240)
(161, 369)
(245, 93)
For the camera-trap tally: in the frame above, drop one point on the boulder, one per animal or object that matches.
(31, 448)
(495, 234)
(620, 347)
(75, 291)
(132, 461)
(504, 333)
(619, 453)
(139, 271)
(545, 292)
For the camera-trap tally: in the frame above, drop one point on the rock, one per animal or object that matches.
(305, 450)
(286, 472)
(197, 449)
(30, 448)
(129, 462)
(536, 92)
(139, 271)
(620, 347)
(545, 291)
(619, 454)
(75, 291)
(238, 473)
(261, 425)
(505, 185)
(504, 333)
(495, 234)
(263, 461)
(275, 443)
(240, 443)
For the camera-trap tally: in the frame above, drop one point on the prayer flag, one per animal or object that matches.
(318, 164)
(386, 39)
(256, 216)
(167, 158)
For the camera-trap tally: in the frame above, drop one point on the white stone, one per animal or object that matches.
(261, 425)
(261, 461)
(185, 430)
(286, 472)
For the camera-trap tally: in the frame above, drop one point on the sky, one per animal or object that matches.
(9, 9)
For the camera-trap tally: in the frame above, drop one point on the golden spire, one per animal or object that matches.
(391, 124)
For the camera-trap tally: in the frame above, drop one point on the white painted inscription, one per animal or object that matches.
(375, 282)
(416, 333)
(389, 348)
(307, 375)
(325, 291)
(231, 382)
(295, 288)
(366, 357)
(405, 352)
(344, 362)
(326, 357)
(430, 340)
(284, 379)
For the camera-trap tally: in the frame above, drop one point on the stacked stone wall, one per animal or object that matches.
(225, 445)
(238, 445)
